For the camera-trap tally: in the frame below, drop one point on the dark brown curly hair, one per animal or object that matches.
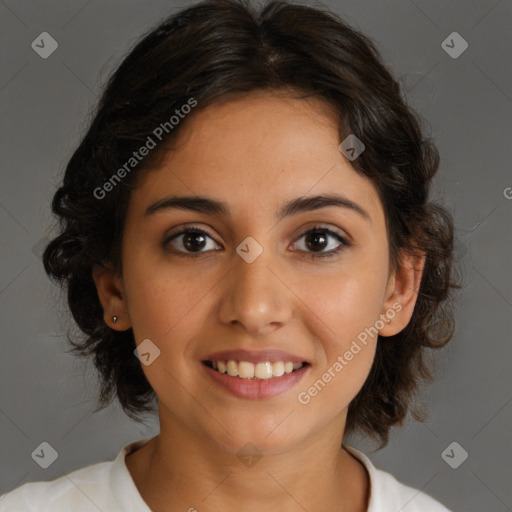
(212, 51)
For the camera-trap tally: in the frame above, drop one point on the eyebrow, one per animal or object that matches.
(202, 204)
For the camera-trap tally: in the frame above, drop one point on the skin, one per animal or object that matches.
(255, 153)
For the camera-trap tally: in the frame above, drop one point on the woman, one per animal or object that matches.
(246, 236)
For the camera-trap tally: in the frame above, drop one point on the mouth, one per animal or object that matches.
(255, 374)
(255, 381)
(263, 370)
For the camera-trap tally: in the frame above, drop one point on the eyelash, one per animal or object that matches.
(316, 229)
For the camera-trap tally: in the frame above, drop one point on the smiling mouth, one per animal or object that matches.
(264, 370)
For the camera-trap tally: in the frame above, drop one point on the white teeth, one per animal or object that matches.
(245, 370)
(232, 368)
(278, 368)
(263, 371)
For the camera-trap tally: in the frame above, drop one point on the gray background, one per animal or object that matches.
(48, 395)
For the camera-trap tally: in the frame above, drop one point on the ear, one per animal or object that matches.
(401, 294)
(109, 286)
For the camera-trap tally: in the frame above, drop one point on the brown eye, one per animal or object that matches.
(193, 241)
(188, 242)
(317, 239)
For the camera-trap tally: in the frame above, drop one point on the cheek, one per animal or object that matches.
(168, 310)
(349, 309)
(350, 346)
(348, 302)
(157, 294)
(163, 306)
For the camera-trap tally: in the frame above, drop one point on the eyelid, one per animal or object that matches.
(187, 227)
(311, 226)
(344, 242)
(344, 239)
(300, 232)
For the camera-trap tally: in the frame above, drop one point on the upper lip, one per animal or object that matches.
(255, 356)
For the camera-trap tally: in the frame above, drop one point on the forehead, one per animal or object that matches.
(254, 153)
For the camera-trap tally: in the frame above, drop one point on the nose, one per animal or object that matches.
(255, 296)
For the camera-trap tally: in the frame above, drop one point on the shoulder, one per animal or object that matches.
(84, 489)
(389, 494)
(102, 486)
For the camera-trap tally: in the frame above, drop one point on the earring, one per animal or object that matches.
(114, 319)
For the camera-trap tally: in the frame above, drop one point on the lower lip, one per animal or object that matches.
(257, 388)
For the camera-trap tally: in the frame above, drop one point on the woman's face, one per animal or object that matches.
(251, 283)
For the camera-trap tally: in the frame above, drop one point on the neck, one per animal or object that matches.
(182, 470)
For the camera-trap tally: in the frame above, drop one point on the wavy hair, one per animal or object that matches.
(213, 51)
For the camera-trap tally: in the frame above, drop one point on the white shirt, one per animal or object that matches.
(109, 487)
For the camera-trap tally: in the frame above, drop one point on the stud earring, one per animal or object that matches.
(114, 319)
